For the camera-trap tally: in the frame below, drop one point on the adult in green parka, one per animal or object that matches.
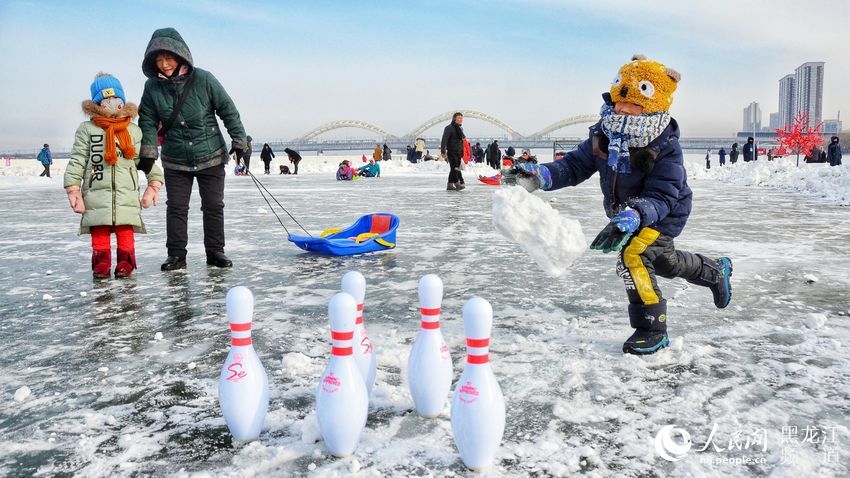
(193, 146)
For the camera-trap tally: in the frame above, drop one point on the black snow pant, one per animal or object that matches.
(46, 171)
(295, 169)
(268, 166)
(649, 253)
(246, 160)
(455, 176)
(178, 189)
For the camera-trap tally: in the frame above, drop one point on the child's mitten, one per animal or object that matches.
(614, 236)
(528, 175)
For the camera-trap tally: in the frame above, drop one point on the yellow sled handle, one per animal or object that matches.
(328, 232)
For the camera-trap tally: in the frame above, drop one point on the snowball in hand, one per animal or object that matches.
(553, 241)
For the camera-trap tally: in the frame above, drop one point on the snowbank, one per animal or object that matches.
(819, 180)
(24, 173)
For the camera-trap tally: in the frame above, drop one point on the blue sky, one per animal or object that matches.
(291, 66)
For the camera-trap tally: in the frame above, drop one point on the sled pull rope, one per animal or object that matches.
(261, 188)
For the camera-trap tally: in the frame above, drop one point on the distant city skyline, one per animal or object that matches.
(292, 66)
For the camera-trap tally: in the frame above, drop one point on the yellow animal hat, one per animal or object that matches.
(646, 83)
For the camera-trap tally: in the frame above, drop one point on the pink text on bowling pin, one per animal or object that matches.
(235, 369)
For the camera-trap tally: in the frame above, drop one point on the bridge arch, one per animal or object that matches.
(572, 120)
(342, 124)
(443, 117)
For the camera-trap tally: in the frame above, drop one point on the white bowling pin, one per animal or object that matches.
(355, 284)
(429, 366)
(478, 408)
(243, 387)
(341, 399)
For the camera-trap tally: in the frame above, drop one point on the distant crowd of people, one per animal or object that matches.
(831, 155)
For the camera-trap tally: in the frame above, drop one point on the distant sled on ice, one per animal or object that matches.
(491, 180)
(370, 233)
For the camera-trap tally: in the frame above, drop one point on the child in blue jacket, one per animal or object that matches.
(635, 149)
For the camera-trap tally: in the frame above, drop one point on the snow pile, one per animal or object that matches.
(553, 241)
(820, 180)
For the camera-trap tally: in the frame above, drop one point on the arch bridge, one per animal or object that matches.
(441, 118)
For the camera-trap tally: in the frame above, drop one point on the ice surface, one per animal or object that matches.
(575, 404)
(552, 240)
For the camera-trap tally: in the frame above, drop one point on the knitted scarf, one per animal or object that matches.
(625, 131)
(116, 127)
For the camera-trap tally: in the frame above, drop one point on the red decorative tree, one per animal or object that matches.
(800, 137)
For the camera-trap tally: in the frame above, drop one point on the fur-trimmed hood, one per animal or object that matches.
(92, 109)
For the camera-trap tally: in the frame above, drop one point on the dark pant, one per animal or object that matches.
(649, 253)
(178, 189)
(268, 165)
(455, 175)
(295, 171)
(246, 160)
(46, 171)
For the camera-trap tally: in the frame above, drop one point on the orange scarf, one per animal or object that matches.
(116, 127)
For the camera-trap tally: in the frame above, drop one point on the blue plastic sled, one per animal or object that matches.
(373, 232)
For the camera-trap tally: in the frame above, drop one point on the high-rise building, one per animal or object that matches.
(774, 122)
(808, 82)
(752, 117)
(787, 101)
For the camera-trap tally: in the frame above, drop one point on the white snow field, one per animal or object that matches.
(119, 377)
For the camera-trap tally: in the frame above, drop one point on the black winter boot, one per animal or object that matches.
(717, 276)
(650, 322)
(172, 263)
(218, 259)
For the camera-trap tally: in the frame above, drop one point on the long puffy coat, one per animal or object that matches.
(110, 192)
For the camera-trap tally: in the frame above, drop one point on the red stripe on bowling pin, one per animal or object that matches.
(429, 312)
(477, 350)
(240, 341)
(430, 325)
(240, 327)
(478, 359)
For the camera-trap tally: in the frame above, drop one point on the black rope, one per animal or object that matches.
(261, 188)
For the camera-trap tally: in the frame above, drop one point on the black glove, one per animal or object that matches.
(145, 165)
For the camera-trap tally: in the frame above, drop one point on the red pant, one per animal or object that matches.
(100, 238)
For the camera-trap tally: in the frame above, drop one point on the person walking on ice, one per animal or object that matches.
(635, 149)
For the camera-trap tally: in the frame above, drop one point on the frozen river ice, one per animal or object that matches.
(124, 373)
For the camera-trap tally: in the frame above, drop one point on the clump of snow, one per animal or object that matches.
(192, 365)
(22, 394)
(47, 297)
(83, 294)
(157, 336)
(817, 179)
(810, 278)
(295, 363)
(262, 210)
(815, 321)
(103, 369)
(310, 432)
(553, 241)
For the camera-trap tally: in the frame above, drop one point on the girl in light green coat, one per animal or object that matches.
(102, 178)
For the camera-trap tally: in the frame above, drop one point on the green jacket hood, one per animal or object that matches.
(165, 39)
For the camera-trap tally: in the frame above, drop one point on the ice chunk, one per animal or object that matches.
(815, 321)
(22, 394)
(157, 336)
(262, 210)
(810, 278)
(553, 241)
(83, 293)
(192, 365)
(47, 297)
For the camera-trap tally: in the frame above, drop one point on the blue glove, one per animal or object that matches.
(615, 235)
(627, 221)
(531, 176)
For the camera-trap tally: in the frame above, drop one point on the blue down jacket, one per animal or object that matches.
(657, 186)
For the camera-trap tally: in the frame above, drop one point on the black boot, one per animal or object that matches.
(717, 276)
(650, 323)
(218, 259)
(172, 263)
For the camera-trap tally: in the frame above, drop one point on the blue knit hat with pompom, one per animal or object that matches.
(106, 86)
